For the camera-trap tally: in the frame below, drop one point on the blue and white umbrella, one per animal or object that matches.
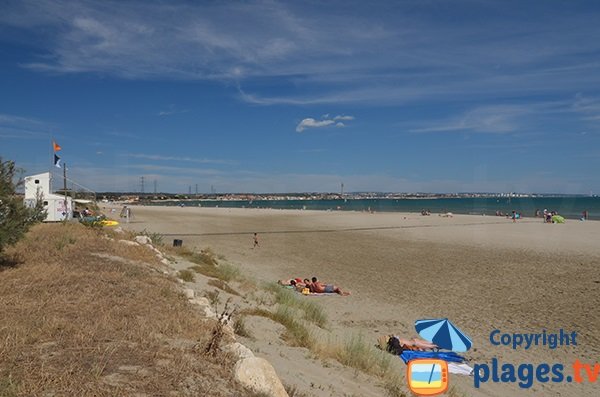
(444, 334)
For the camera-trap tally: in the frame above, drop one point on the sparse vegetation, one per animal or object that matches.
(393, 387)
(208, 264)
(213, 347)
(15, 218)
(186, 275)
(292, 391)
(86, 318)
(239, 327)
(297, 334)
(157, 238)
(213, 297)
(286, 297)
(357, 353)
(223, 286)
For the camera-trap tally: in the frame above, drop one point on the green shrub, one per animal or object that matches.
(15, 218)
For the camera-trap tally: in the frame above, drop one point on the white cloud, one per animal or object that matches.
(17, 127)
(386, 54)
(159, 157)
(325, 122)
(171, 110)
(493, 119)
(312, 123)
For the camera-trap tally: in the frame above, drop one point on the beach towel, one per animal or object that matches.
(558, 219)
(450, 357)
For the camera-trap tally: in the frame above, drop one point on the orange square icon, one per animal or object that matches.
(427, 377)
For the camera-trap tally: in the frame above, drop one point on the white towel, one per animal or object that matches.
(460, 369)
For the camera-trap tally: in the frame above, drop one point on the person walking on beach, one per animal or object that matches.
(255, 241)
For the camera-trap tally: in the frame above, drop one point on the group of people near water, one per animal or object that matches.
(313, 286)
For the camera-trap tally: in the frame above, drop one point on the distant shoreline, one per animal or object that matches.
(568, 207)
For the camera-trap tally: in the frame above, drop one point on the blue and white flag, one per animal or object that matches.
(56, 161)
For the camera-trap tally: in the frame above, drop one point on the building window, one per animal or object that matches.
(37, 181)
(45, 203)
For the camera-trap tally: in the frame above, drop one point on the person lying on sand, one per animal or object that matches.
(395, 344)
(321, 288)
(289, 282)
(295, 283)
(417, 344)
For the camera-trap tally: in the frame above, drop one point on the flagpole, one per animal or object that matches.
(51, 161)
(65, 189)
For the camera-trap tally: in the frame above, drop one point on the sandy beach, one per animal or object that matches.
(483, 273)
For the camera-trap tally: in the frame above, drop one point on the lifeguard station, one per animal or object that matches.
(39, 187)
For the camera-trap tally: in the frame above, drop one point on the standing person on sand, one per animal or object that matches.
(255, 241)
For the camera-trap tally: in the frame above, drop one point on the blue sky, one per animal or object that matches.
(434, 96)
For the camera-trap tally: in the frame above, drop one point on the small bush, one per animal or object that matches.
(228, 272)
(213, 297)
(287, 297)
(186, 275)
(296, 333)
(214, 344)
(356, 353)
(157, 238)
(239, 327)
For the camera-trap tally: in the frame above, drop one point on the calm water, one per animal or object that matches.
(569, 207)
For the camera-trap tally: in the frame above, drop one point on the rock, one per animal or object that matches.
(127, 242)
(118, 229)
(258, 375)
(189, 293)
(238, 350)
(204, 306)
(143, 240)
(208, 312)
(202, 301)
(165, 261)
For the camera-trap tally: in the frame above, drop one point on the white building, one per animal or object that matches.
(39, 186)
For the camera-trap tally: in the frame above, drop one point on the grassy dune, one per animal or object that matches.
(83, 315)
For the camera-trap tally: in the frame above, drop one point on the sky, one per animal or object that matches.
(267, 96)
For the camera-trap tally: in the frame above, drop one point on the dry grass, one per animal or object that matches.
(296, 333)
(186, 275)
(312, 311)
(85, 316)
(208, 263)
(223, 286)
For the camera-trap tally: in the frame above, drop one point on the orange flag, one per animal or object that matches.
(56, 147)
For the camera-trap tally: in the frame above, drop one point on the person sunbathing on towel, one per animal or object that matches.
(290, 282)
(295, 283)
(318, 287)
(417, 344)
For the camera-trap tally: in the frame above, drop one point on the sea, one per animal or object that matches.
(570, 207)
